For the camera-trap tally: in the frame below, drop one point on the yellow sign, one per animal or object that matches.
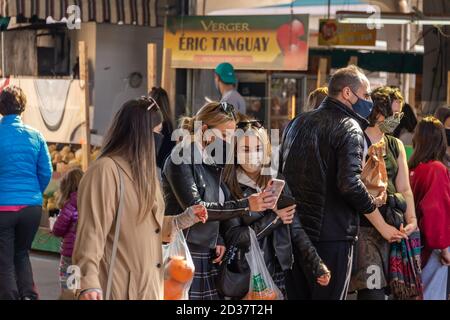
(333, 33)
(247, 42)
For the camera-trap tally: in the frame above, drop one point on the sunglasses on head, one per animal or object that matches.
(153, 103)
(228, 109)
(250, 123)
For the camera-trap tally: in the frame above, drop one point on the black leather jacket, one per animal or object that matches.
(185, 185)
(321, 158)
(276, 240)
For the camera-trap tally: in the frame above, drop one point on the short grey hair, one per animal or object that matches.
(350, 76)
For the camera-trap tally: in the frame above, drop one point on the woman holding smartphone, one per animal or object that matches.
(192, 175)
(278, 230)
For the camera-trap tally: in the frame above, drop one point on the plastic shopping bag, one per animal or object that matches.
(262, 286)
(178, 268)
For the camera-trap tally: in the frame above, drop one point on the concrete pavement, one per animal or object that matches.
(46, 274)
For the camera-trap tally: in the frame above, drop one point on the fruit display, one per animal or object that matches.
(260, 291)
(66, 157)
(178, 274)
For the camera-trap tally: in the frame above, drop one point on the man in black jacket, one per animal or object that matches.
(321, 156)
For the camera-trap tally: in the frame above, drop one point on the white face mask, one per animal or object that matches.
(251, 161)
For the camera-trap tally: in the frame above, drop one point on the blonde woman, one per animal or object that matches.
(316, 98)
(128, 156)
(198, 179)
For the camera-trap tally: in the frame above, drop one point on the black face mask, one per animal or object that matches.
(447, 131)
(159, 138)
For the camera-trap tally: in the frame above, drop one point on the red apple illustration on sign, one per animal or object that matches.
(328, 30)
(288, 37)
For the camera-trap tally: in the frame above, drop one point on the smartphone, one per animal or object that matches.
(285, 201)
(276, 186)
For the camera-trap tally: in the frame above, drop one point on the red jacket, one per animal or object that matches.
(430, 183)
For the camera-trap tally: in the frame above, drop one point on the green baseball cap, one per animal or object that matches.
(225, 71)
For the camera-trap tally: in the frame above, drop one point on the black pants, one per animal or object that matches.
(371, 294)
(300, 284)
(17, 231)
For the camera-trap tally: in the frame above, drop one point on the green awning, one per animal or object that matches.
(388, 61)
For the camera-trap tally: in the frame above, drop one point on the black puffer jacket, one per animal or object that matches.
(321, 157)
(185, 185)
(276, 240)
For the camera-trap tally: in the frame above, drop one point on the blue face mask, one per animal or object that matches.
(362, 107)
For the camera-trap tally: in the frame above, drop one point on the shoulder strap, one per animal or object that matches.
(116, 235)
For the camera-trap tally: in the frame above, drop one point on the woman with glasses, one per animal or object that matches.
(279, 232)
(123, 180)
(372, 250)
(193, 174)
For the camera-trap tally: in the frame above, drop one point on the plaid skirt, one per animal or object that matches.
(204, 284)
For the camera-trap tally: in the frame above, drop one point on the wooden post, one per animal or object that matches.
(448, 88)
(353, 60)
(151, 66)
(84, 83)
(322, 72)
(168, 81)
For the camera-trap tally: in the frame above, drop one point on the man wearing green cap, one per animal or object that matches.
(225, 80)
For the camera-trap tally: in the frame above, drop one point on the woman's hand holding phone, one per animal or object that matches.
(262, 201)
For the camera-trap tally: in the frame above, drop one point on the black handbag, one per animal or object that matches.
(395, 210)
(233, 280)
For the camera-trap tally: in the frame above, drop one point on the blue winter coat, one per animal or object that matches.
(25, 164)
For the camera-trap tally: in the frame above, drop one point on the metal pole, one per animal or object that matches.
(3, 54)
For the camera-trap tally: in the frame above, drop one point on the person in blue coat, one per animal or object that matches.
(25, 172)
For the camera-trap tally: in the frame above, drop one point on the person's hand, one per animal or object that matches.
(410, 228)
(445, 257)
(220, 252)
(287, 214)
(391, 234)
(324, 280)
(91, 295)
(200, 213)
(263, 201)
(189, 217)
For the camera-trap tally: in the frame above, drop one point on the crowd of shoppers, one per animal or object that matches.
(344, 214)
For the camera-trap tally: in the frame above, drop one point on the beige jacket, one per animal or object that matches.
(138, 272)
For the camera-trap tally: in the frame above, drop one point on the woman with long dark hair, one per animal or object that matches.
(430, 181)
(443, 115)
(125, 177)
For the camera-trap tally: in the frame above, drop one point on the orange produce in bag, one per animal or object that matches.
(262, 286)
(178, 269)
(173, 290)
